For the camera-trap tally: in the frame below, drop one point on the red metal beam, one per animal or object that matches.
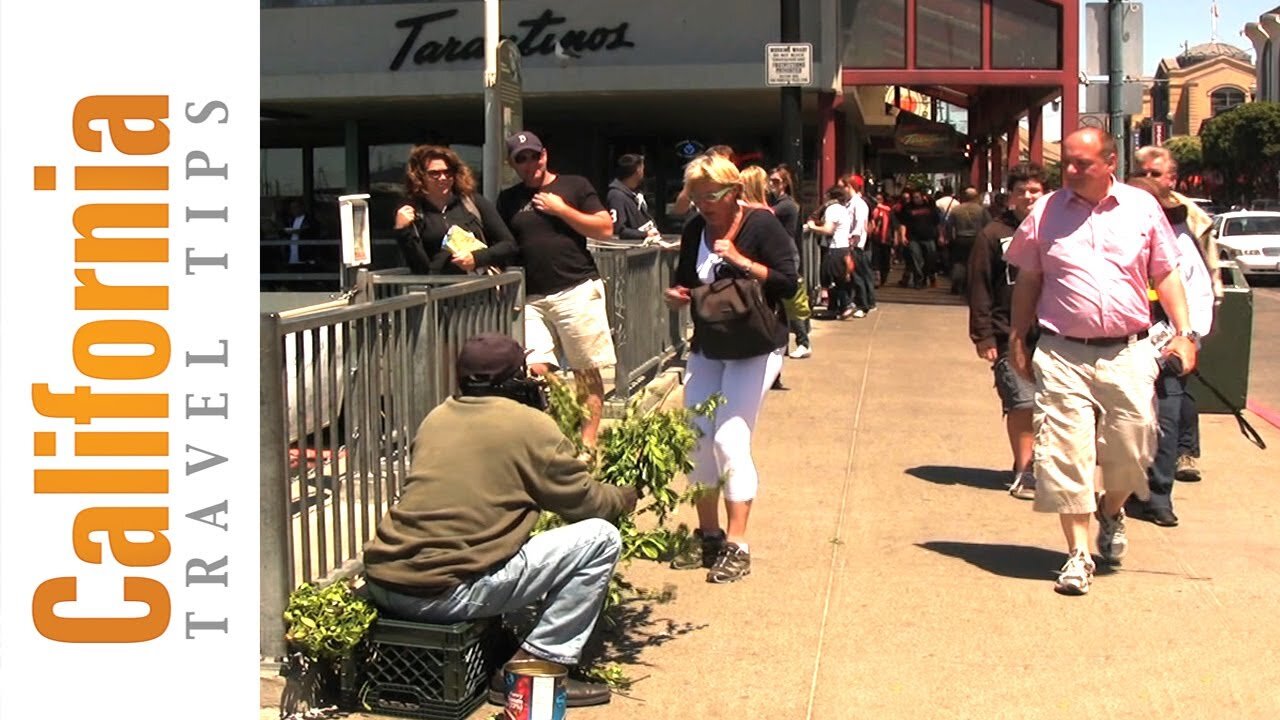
(997, 167)
(987, 78)
(986, 34)
(1070, 64)
(976, 115)
(827, 169)
(1014, 155)
(1035, 135)
(909, 29)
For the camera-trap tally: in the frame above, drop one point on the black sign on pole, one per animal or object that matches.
(510, 97)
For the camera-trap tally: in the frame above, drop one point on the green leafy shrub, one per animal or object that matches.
(327, 623)
(644, 450)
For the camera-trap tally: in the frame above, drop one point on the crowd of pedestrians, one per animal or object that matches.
(1089, 303)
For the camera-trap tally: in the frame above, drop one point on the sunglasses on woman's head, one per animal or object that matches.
(714, 196)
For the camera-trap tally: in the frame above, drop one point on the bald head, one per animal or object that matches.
(1093, 138)
(1088, 162)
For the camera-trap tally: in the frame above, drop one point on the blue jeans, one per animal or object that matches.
(1170, 392)
(1189, 432)
(570, 566)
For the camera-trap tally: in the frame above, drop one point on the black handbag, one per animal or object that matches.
(732, 320)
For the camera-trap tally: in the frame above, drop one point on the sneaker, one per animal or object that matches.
(801, 352)
(1112, 541)
(859, 313)
(699, 551)
(1024, 486)
(1186, 469)
(845, 314)
(732, 564)
(1076, 574)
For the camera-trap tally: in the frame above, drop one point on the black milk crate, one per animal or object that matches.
(419, 670)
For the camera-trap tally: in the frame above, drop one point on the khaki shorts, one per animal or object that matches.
(1095, 411)
(575, 322)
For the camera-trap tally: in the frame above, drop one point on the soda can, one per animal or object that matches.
(535, 690)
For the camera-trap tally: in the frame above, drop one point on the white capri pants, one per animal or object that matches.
(725, 450)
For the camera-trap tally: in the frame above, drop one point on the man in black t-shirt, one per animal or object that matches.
(551, 217)
(919, 233)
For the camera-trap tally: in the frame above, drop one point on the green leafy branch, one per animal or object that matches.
(326, 623)
(644, 450)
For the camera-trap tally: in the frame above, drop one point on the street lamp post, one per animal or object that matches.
(1115, 82)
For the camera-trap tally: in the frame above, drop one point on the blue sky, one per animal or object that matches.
(1166, 28)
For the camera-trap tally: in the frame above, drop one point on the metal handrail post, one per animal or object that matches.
(275, 554)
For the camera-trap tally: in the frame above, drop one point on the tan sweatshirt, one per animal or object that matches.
(482, 469)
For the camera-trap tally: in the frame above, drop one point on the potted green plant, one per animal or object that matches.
(325, 625)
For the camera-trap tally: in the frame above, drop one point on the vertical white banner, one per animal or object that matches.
(129, 359)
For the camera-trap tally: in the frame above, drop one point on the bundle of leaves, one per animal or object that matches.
(644, 450)
(326, 623)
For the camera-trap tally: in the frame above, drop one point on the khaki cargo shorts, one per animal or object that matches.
(575, 322)
(1095, 411)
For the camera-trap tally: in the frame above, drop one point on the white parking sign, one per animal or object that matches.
(788, 64)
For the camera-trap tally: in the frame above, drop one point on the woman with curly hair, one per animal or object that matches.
(442, 193)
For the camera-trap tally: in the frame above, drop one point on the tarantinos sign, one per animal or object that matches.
(541, 35)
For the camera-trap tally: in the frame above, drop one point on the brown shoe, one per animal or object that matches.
(1186, 469)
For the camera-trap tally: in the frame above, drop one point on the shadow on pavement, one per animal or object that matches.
(1022, 562)
(982, 478)
(622, 636)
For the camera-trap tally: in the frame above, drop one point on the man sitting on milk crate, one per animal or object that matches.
(457, 545)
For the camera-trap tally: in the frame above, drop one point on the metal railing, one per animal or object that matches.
(458, 306)
(343, 390)
(646, 334)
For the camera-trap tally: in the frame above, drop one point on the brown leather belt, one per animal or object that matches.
(1098, 341)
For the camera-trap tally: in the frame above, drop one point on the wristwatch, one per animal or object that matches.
(1191, 335)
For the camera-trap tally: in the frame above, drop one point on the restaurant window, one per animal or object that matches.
(949, 34)
(1225, 98)
(874, 33)
(1026, 34)
(280, 175)
(329, 181)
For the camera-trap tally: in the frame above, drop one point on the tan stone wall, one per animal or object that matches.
(1189, 93)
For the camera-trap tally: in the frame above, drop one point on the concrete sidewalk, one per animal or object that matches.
(893, 576)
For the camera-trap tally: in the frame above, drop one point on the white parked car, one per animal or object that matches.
(1250, 238)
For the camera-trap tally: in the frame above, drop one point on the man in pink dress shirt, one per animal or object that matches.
(1086, 256)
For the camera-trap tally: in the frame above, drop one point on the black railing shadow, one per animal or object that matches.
(981, 478)
(1022, 562)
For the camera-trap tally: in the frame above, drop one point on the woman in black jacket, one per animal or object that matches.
(729, 239)
(442, 194)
